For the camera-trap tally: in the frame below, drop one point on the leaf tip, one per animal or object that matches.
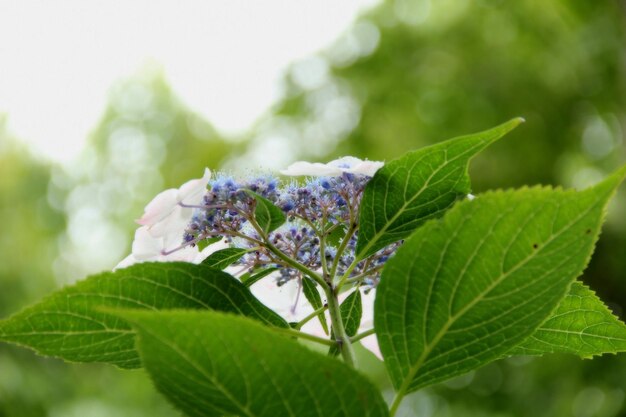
(612, 182)
(514, 122)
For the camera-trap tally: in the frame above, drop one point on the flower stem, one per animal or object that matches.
(306, 336)
(362, 335)
(342, 247)
(341, 337)
(345, 276)
(358, 278)
(310, 317)
(306, 271)
(395, 404)
(286, 259)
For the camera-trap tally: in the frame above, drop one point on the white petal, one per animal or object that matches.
(368, 168)
(334, 168)
(126, 262)
(159, 208)
(282, 299)
(186, 254)
(345, 162)
(145, 246)
(367, 322)
(315, 328)
(371, 343)
(192, 191)
(311, 169)
(470, 197)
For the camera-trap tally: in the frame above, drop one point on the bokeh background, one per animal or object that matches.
(397, 75)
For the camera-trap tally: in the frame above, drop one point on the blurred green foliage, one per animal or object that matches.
(146, 141)
(448, 67)
(30, 226)
(406, 74)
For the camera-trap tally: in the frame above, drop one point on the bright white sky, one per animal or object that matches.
(59, 58)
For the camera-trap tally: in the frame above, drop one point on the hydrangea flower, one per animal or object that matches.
(164, 219)
(147, 247)
(320, 233)
(173, 207)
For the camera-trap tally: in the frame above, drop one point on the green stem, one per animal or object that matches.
(342, 338)
(396, 403)
(348, 272)
(362, 335)
(306, 271)
(306, 336)
(310, 317)
(342, 248)
(359, 278)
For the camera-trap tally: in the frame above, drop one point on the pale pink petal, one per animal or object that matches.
(192, 191)
(159, 208)
(173, 225)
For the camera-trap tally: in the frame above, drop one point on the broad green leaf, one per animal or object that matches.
(212, 365)
(581, 325)
(418, 186)
(224, 258)
(464, 290)
(267, 215)
(71, 325)
(250, 279)
(351, 311)
(309, 288)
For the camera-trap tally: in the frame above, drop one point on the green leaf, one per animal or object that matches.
(212, 365)
(250, 279)
(335, 234)
(207, 242)
(309, 288)
(267, 215)
(581, 325)
(351, 311)
(464, 290)
(224, 258)
(70, 323)
(419, 186)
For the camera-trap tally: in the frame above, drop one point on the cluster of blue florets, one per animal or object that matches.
(324, 199)
(315, 209)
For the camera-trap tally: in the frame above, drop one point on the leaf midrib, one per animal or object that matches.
(197, 367)
(395, 217)
(430, 346)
